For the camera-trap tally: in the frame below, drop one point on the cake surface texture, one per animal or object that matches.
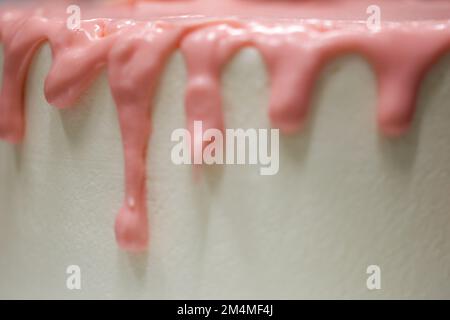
(87, 177)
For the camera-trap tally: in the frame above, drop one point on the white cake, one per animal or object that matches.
(345, 197)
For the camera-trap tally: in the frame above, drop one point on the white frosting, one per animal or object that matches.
(344, 198)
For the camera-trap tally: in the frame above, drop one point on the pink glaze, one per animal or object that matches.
(135, 53)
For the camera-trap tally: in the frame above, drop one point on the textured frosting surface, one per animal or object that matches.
(344, 198)
(135, 52)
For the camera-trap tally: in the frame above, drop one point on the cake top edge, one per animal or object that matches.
(287, 10)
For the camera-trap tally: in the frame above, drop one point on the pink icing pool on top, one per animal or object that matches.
(134, 51)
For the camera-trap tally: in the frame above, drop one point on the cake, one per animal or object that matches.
(87, 120)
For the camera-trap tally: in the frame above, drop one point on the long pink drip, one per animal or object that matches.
(134, 68)
(20, 39)
(135, 54)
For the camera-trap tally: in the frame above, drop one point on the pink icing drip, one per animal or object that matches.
(18, 53)
(206, 51)
(135, 64)
(135, 53)
(292, 77)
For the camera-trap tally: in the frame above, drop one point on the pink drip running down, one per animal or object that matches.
(134, 52)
